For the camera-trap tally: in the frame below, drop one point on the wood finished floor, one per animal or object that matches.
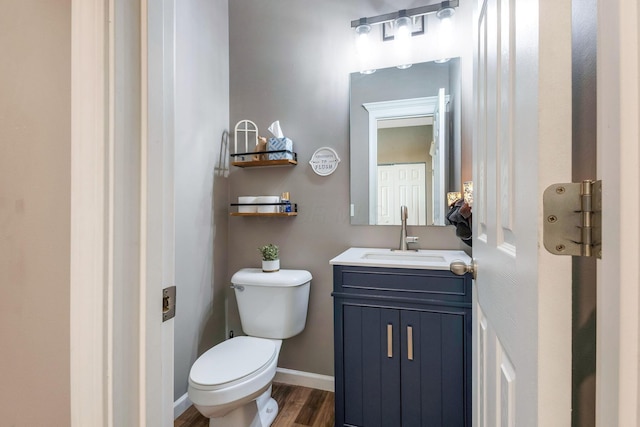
(298, 406)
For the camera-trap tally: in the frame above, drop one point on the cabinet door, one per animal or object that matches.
(371, 357)
(433, 366)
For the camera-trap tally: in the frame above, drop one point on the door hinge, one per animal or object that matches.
(168, 303)
(573, 219)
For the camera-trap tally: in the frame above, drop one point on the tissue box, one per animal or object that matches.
(275, 144)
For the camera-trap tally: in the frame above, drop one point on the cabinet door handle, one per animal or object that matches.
(389, 340)
(410, 342)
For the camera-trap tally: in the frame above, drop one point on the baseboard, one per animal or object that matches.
(181, 405)
(304, 379)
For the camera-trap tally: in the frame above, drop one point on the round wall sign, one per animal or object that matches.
(324, 161)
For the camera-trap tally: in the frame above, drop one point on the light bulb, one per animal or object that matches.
(363, 47)
(445, 33)
(362, 36)
(445, 13)
(403, 28)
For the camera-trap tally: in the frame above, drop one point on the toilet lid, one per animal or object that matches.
(232, 360)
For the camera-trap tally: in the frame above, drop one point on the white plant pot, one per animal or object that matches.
(271, 266)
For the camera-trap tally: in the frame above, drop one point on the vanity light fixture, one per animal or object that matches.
(400, 25)
(404, 19)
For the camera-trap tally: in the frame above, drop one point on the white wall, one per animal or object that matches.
(201, 187)
(35, 188)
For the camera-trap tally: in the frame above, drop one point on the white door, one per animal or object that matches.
(522, 143)
(158, 208)
(386, 206)
(398, 185)
(410, 182)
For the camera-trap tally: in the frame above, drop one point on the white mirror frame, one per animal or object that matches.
(424, 106)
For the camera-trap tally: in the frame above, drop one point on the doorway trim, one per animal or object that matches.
(116, 357)
(424, 106)
(618, 294)
(91, 282)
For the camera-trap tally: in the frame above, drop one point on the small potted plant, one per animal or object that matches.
(270, 260)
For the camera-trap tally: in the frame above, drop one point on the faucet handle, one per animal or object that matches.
(412, 239)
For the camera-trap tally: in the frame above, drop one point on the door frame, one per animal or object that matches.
(92, 232)
(91, 285)
(105, 369)
(618, 277)
(158, 90)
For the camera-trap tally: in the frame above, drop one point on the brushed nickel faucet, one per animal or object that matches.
(404, 239)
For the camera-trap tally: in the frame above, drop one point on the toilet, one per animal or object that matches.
(231, 382)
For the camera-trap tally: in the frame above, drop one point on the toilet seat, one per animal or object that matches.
(231, 362)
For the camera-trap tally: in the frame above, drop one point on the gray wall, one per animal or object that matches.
(290, 61)
(35, 193)
(201, 184)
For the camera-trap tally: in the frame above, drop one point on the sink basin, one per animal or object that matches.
(379, 257)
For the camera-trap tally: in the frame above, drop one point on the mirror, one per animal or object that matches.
(405, 143)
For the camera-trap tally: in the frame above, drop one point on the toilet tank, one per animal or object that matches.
(272, 305)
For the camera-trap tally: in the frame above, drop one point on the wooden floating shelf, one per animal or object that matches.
(256, 163)
(274, 214)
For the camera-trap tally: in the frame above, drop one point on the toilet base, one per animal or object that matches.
(258, 413)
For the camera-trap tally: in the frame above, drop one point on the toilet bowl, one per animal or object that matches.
(233, 374)
(231, 382)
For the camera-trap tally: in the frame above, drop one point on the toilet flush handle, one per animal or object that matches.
(238, 287)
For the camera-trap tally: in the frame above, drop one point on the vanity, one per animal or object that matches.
(402, 331)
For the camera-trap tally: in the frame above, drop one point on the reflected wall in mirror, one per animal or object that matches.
(405, 143)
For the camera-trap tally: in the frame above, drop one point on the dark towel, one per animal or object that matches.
(461, 222)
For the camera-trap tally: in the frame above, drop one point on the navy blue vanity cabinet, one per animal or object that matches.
(402, 347)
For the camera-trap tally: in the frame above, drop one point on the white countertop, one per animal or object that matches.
(383, 257)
